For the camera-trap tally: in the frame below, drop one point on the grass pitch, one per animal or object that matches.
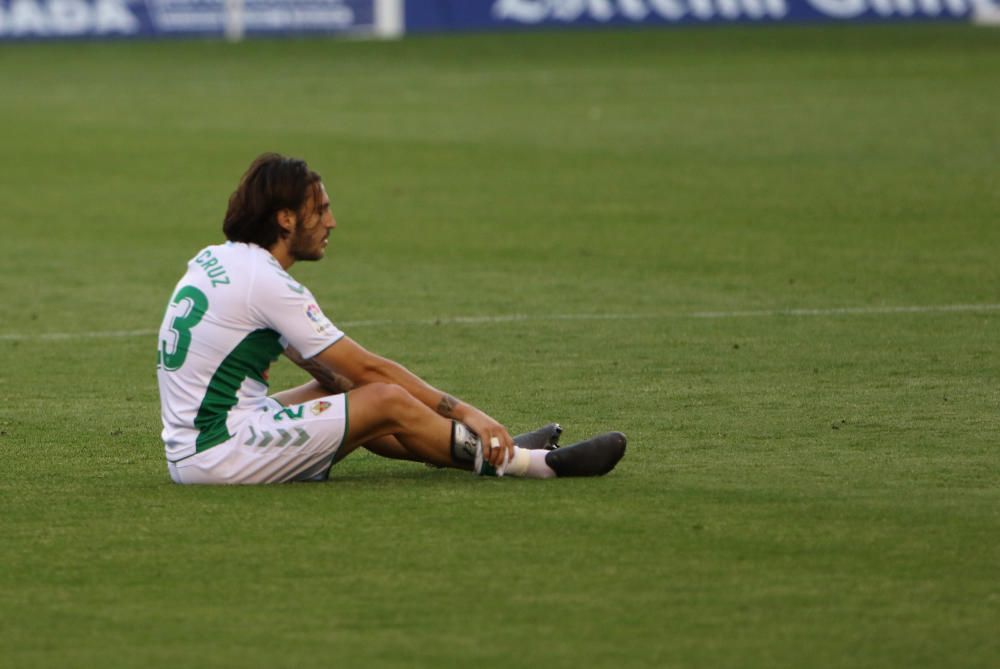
(748, 249)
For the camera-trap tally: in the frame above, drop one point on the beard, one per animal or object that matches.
(306, 245)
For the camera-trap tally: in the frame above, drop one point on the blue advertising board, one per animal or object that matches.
(47, 19)
(446, 15)
(57, 19)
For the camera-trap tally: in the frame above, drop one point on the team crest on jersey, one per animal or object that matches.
(321, 324)
(319, 407)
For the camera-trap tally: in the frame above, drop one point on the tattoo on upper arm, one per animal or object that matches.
(330, 380)
(447, 405)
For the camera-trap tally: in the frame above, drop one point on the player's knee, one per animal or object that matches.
(393, 401)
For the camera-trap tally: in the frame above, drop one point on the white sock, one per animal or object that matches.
(528, 463)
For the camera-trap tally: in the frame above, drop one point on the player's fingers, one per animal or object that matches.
(507, 445)
(495, 455)
(501, 453)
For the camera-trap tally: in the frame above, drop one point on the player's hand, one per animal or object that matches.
(498, 446)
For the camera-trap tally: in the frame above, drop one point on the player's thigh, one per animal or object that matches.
(379, 410)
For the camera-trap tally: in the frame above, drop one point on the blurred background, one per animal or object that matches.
(235, 19)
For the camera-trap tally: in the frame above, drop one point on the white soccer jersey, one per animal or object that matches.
(230, 316)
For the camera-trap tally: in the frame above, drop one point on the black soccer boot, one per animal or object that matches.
(544, 438)
(594, 457)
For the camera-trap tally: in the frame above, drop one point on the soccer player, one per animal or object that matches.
(237, 308)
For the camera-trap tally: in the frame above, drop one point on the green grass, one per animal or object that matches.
(800, 490)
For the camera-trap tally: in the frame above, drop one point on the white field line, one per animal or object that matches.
(848, 311)
(516, 318)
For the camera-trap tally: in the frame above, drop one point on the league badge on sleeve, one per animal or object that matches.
(320, 323)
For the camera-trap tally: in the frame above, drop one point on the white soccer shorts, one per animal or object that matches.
(273, 445)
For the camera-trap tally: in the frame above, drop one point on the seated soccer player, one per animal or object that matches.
(236, 309)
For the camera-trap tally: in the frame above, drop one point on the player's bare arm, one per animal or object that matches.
(362, 367)
(327, 379)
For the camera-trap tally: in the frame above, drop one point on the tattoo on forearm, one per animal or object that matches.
(331, 381)
(447, 405)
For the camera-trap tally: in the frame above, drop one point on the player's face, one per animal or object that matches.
(311, 235)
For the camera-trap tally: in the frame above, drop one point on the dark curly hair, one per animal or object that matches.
(271, 184)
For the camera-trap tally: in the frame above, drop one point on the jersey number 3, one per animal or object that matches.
(197, 305)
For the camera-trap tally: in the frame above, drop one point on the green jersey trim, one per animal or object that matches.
(249, 359)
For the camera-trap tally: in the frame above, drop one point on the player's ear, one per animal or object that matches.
(286, 219)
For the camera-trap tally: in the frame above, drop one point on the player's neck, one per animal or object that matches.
(282, 254)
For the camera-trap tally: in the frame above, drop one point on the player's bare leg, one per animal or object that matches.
(545, 437)
(390, 422)
(380, 410)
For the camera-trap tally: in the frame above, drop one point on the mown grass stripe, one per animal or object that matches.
(513, 318)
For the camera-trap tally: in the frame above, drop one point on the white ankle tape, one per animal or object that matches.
(518, 466)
